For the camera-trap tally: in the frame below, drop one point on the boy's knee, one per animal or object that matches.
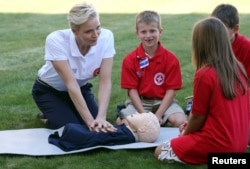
(176, 119)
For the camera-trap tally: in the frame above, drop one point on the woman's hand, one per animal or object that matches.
(102, 125)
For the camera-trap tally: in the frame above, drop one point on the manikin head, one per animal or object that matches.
(146, 125)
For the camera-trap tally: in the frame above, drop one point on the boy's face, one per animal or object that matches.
(232, 31)
(148, 33)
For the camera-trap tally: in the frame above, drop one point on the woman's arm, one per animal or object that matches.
(63, 69)
(104, 92)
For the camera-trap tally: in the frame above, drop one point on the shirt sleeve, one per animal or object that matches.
(204, 84)
(55, 48)
(109, 48)
(173, 78)
(129, 75)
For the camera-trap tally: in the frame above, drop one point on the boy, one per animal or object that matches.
(228, 14)
(151, 74)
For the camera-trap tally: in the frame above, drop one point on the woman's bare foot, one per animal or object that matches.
(42, 118)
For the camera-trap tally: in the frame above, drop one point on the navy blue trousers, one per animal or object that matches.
(57, 106)
(76, 136)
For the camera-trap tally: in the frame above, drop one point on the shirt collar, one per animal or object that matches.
(141, 53)
(75, 52)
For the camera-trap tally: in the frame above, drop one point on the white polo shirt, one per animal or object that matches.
(61, 45)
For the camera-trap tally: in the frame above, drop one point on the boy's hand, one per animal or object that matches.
(160, 119)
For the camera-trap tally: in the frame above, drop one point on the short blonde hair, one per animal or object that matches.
(80, 13)
(148, 17)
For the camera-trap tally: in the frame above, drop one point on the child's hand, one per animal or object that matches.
(182, 128)
(160, 119)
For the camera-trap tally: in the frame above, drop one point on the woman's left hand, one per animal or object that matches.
(102, 125)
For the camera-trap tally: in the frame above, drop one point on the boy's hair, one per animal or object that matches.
(211, 47)
(81, 13)
(227, 13)
(148, 17)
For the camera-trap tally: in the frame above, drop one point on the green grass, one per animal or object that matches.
(21, 55)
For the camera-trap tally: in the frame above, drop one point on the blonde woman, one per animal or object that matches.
(73, 57)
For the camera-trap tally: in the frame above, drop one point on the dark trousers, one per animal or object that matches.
(57, 106)
(76, 136)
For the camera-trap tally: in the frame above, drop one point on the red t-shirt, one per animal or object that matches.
(226, 126)
(151, 76)
(241, 48)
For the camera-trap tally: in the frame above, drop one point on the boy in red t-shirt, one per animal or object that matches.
(228, 14)
(151, 74)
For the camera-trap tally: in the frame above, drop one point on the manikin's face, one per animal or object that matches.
(132, 119)
(148, 34)
(146, 125)
(88, 32)
(138, 120)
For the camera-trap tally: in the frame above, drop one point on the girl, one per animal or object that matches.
(218, 121)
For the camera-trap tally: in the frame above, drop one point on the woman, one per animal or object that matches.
(218, 121)
(73, 56)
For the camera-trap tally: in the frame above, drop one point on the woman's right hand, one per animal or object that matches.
(102, 125)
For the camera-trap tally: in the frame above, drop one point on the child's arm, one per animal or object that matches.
(135, 99)
(194, 124)
(166, 101)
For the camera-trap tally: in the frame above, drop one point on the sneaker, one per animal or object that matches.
(189, 103)
(167, 154)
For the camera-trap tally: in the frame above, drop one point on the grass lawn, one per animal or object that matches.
(22, 38)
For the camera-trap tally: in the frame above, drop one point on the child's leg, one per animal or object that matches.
(165, 153)
(174, 115)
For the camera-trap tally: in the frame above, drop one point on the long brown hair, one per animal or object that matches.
(211, 47)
